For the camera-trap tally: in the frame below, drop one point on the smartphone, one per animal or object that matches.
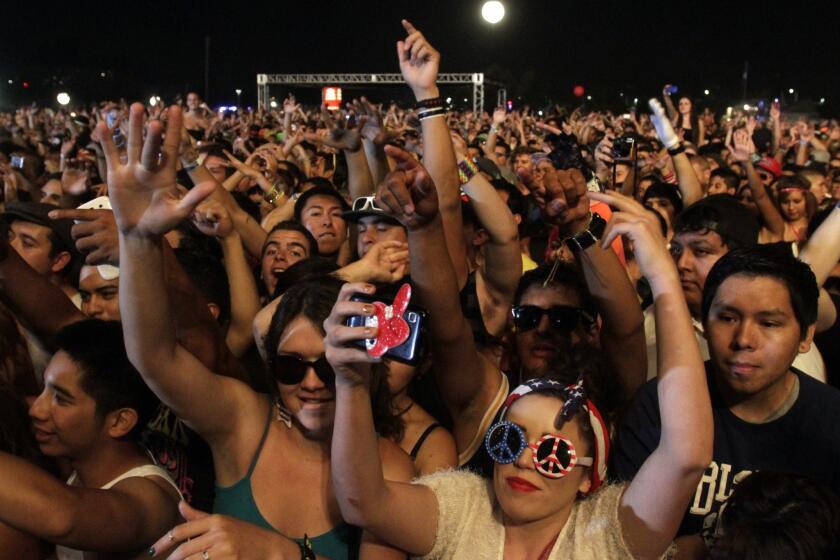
(409, 352)
(17, 162)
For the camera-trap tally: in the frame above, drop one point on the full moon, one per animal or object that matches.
(493, 11)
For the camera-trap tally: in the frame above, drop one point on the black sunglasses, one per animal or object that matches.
(290, 370)
(561, 318)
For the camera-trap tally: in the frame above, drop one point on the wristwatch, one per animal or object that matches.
(588, 237)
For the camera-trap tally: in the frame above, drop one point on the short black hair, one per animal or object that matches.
(318, 190)
(98, 348)
(290, 225)
(723, 214)
(566, 275)
(779, 516)
(661, 189)
(729, 177)
(774, 260)
(209, 277)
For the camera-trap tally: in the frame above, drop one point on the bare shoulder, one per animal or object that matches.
(396, 463)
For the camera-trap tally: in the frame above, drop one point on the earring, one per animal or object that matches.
(283, 415)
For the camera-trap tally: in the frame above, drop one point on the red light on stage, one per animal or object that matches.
(578, 91)
(26, 84)
(331, 97)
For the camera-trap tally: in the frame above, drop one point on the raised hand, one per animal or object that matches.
(339, 136)
(213, 219)
(386, 261)
(563, 200)
(742, 147)
(144, 196)
(408, 193)
(350, 363)
(372, 127)
(499, 116)
(419, 63)
(95, 234)
(74, 180)
(642, 227)
(663, 126)
(290, 105)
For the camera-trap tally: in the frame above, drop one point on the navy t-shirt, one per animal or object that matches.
(804, 441)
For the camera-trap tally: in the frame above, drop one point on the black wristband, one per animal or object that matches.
(431, 102)
(677, 150)
(589, 237)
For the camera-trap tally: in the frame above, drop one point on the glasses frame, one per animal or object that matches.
(549, 466)
(582, 315)
(322, 368)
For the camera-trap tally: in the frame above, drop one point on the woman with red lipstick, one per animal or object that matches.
(550, 445)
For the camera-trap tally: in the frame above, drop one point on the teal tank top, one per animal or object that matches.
(237, 501)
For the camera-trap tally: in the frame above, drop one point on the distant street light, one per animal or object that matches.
(63, 99)
(493, 12)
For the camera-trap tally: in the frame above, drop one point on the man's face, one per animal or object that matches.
(501, 156)
(523, 161)
(32, 242)
(322, 217)
(539, 347)
(283, 248)
(100, 297)
(753, 334)
(664, 206)
(51, 192)
(718, 186)
(217, 167)
(373, 229)
(818, 186)
(193, 101)
(695, 254)
(64, 416)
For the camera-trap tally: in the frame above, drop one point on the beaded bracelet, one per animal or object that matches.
(273, 196)
(466, 171)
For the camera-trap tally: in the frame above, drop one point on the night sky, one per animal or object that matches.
(540, 50)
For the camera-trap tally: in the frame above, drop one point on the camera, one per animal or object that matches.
(413, 350)
(17, 162)
(623, 147)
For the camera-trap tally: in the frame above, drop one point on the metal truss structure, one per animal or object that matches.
(476, 79)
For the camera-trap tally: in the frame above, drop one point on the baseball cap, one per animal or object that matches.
(367, 206)
(723, 214)
(771, 165)
(38, 213)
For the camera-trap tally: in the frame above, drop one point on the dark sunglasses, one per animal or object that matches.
(561, 318)
(290, 370)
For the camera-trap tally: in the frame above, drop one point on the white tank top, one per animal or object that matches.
(144, 471)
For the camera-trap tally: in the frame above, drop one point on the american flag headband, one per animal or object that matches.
(574, 402)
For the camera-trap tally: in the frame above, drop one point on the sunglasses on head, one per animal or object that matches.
(554, 456)
(290, 370)
(561, 318)
(364, 203)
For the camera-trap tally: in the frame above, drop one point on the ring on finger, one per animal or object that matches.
(170, 536)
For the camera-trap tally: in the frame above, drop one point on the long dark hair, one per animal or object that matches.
(314, 300)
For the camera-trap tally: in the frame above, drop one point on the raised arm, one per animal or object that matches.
(147, 204)
(419, 63)
(654, 502)
(689, 184)
(501, 268)
(742, 149)
(467, 381)
(212, 218)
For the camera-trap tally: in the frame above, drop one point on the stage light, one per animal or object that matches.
(822, 100)
(790, 91)
(589, 98)
(448, 100)
(153, 100)
(539, 113)
(705, 92)
(746, 107)
(273, 104)
(493, 11)
(63, 98)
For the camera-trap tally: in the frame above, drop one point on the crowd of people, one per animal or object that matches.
(381, 332)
